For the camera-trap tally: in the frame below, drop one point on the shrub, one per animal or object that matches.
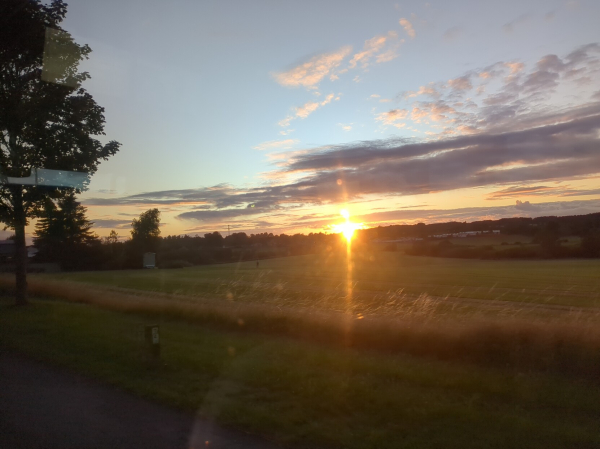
(169, 264)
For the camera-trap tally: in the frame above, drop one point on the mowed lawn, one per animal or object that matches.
(381, 281)
(304, 395)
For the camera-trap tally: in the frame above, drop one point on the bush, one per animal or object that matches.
(169, 264)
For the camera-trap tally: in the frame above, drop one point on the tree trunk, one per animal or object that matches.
(20, 247)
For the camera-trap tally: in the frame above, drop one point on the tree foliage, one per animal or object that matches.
(63, 232)
(47, 119)
(145, 231)
(112, 238)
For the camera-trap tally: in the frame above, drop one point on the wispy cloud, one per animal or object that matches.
(453, 33)
(111, 223)
(310, 73)
(276, 144)
(408, 28)
(521, 20)
(540, 190)
(377, 47)
(306, 109)
(519, 209)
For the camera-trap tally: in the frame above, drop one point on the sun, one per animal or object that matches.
(347, 228)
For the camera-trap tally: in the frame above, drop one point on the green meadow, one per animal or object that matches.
(387, 351)
(306, 395)
(381, 281)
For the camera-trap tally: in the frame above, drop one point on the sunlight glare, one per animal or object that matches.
(347, 228)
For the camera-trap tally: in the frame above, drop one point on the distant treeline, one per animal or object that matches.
(547, 234)
(184, 250)
(546, 238)
(575, 225)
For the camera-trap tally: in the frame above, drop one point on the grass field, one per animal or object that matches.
(306, 395)
(386, 283)
(422, 352)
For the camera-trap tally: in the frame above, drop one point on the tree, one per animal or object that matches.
(47, 120)
(145, 232)
(590, 243)
(112, 239)
(63, 232)
(213, 240)
(548, 237)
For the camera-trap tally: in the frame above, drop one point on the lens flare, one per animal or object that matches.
(347, 229)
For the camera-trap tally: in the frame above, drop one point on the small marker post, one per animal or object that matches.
(152, 342)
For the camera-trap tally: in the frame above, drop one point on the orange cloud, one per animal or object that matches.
(271, 144)
(310, 73)
(392, 117)
(306, 109)
(408, 28)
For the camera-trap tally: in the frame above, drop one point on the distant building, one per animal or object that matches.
(149, 260)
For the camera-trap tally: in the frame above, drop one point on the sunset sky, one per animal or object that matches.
(271, 116)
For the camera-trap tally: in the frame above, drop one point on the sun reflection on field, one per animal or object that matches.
(347, 229)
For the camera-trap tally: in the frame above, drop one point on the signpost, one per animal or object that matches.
(44, 177)
(152, 341)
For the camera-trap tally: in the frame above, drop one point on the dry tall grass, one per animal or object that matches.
(565, 346)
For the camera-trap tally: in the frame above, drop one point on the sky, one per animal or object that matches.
(272, 116)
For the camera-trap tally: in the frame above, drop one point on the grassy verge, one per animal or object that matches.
(567, 346)
(304, 395)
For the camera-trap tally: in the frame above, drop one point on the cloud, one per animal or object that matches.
(564, 146)
(280, 144)
(305, 110)
(500, 95)
(423, 90)
(392, 117)
(541, 190)
(515, 67)
(211, 216)
(521, 20)
(512, 138)
(524, 205)
(558, 208)
(111, 223)
(309, 74)
(453, 33)
(373, 47)
(462, 83)
(408, 28)
(555, 151)
(436, 111)
(345, 127)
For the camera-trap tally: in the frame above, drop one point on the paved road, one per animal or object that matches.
(45, 407)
